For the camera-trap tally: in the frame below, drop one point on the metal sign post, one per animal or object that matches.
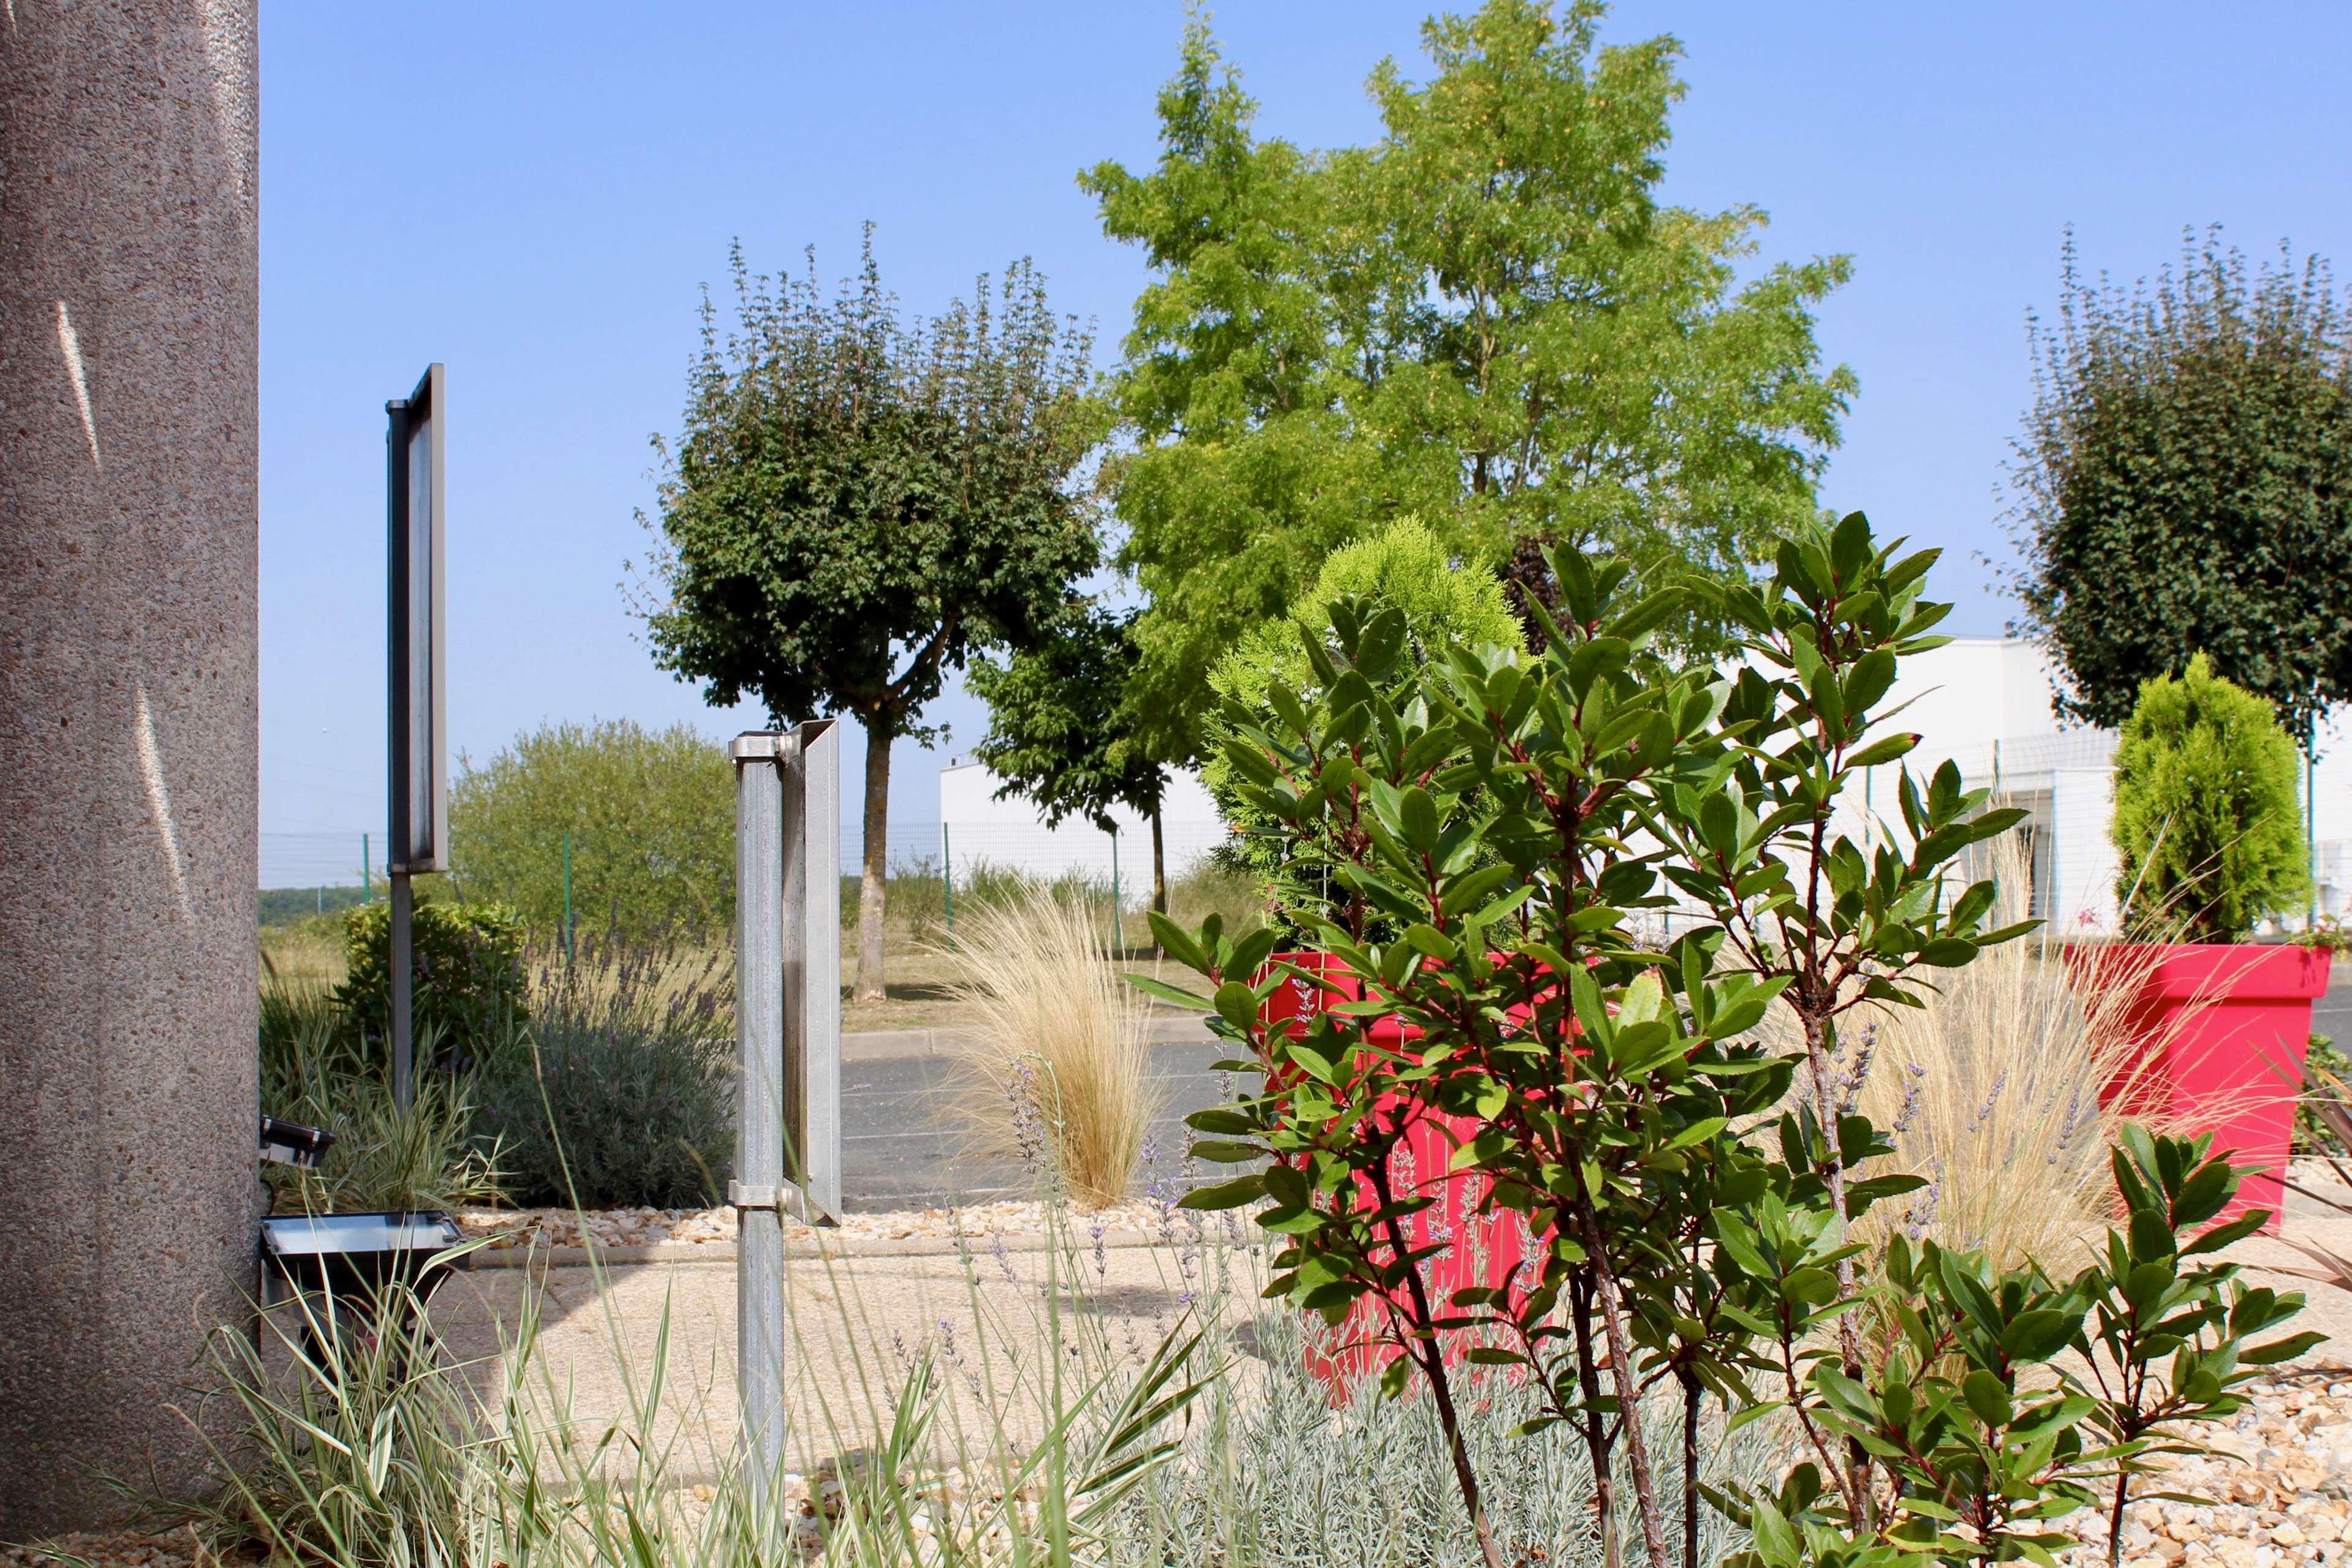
(417, 705)
(788, 1035)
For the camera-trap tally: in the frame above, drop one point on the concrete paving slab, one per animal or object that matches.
(858, 1324)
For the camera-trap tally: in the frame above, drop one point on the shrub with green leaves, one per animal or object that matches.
(1405, 567)
(2208, 820)
(650, 813)
(2012, 1401)
(468, 979)
(386, 1156)
(1487, 831)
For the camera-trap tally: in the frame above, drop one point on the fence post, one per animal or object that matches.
(1118, 931)
(367, 873)
(810, 768)
(946, 881)
(567, 901)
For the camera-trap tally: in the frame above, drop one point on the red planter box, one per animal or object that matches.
(2221, 1030)
(1479, 1249)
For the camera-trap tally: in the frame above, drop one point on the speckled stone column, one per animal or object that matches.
(128, 413)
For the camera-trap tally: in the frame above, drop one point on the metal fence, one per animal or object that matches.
(341, 859)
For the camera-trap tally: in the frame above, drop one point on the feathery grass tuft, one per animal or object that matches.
(1056, 1070)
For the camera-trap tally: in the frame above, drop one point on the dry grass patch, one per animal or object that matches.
(1054, 1069)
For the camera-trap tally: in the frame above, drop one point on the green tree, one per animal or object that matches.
(1487, 319)
(855, 503)
(2184, 485)
(1062, 732)
(2206, 819)
(1404, 566)
(651, 814)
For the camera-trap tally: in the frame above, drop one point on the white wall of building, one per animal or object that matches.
(1983, 702)
(980, 829)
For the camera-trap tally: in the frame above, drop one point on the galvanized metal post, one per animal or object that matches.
(757, 1189)
(812, 769)
(402, 974)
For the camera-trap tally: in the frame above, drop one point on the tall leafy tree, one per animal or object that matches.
(1062, 730)
(1486, 318)
(2184, 485)
(856, 503)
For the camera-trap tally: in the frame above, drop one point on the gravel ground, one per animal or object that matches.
(121, 1550)
(2280, 1490)
(647, 1227)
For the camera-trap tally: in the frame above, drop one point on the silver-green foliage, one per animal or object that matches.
(621, 1088)
(1298, 1481)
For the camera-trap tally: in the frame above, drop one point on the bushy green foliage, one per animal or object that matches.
(467, 988)
(2185, 484)
(315, 1071)
(1486, 317)
(2011, 1401)
(1473, 815)
(620, 1090)
(652, 818)
(2207, 824)
(1062, 729)
(1404, 566)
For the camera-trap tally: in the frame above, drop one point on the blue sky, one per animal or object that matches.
(533, 194)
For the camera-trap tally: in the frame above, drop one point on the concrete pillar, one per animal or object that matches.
(128, 629)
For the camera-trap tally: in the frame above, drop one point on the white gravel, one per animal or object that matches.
(651, 1226)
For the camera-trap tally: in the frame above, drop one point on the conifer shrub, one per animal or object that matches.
(2207, 821)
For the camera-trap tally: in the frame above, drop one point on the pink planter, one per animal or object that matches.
(2222, 1031)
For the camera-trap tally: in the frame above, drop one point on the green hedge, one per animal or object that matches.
(467, 992)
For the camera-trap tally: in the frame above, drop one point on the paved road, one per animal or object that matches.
(2332, 1014)
(901, 1141)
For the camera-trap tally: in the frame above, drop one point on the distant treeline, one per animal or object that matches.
(284, 906)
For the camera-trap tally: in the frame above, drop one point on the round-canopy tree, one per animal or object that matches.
(2184, 486)
(855, 504)
(1063, 732)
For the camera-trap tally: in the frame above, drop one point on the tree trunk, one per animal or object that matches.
(1690, 1467)
(877, 862)
(1158, 865)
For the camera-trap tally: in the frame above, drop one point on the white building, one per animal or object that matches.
(980, 829)
(1981, 701)
(1984, 704)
